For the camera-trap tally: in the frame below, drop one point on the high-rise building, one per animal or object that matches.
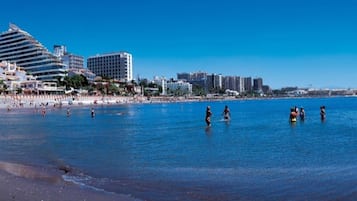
(247, 84)
(114, 65)
(18, 46)
(214, 82)
(184, 76)
(258, 84)
(232, 83)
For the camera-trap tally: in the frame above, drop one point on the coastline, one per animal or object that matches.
(22, 183)
(11, 102)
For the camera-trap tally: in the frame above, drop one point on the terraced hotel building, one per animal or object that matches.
(18, 46)
(117, 66)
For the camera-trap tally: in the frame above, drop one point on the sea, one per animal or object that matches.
(165, 151)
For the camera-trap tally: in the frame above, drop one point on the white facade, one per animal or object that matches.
(68, 59)
(115, 65)
(163, 83)
(14, 77)
(59, 50)
(179, 88)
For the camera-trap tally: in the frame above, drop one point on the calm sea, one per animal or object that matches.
(165, 152)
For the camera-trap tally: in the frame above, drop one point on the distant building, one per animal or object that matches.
(232, 83)
(18, 46)
(117, 66)
(267, 89)
(198, 76)
(71, 61)
(247, 84)
(184, 76)
(214, 82)
(197, 79)
(163, 83)
(179, 88)
(59, 50)
(258, 84)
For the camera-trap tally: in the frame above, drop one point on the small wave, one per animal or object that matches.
(91, 183)
(83, 181)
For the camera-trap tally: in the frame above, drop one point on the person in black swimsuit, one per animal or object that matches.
(226, 113)
(208, 116)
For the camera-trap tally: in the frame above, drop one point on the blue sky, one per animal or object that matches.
(287, 43)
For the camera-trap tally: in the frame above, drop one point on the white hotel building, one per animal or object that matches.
(117, 66)
(18, 46)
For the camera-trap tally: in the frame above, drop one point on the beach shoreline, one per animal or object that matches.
(10, 102)
(22, 183)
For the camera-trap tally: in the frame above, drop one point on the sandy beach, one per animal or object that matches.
(36, 101)
(24, 183)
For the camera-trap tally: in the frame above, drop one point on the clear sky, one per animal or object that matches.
(286, 42)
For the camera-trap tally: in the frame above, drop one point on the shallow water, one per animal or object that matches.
(165, 152)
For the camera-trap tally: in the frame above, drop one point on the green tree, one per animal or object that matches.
(3, 86)
(76, 81)
(113, 89)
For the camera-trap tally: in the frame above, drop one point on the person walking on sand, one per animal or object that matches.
(226, 113)
(208, 116)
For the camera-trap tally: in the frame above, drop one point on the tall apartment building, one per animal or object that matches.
(184, 76)
(214, 82)
(258, 84)
(18, 46)
(232, 83)
(248, 87)
(114, 65)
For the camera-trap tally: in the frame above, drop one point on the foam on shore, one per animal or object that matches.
(22, 182)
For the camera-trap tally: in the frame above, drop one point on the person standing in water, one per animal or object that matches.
(68, 112)
(92, 113)
(208, 116)
(302, 114)
(322, 112)
(226, 113)
(292, 117)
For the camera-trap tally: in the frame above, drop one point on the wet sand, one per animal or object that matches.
(23, 183)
